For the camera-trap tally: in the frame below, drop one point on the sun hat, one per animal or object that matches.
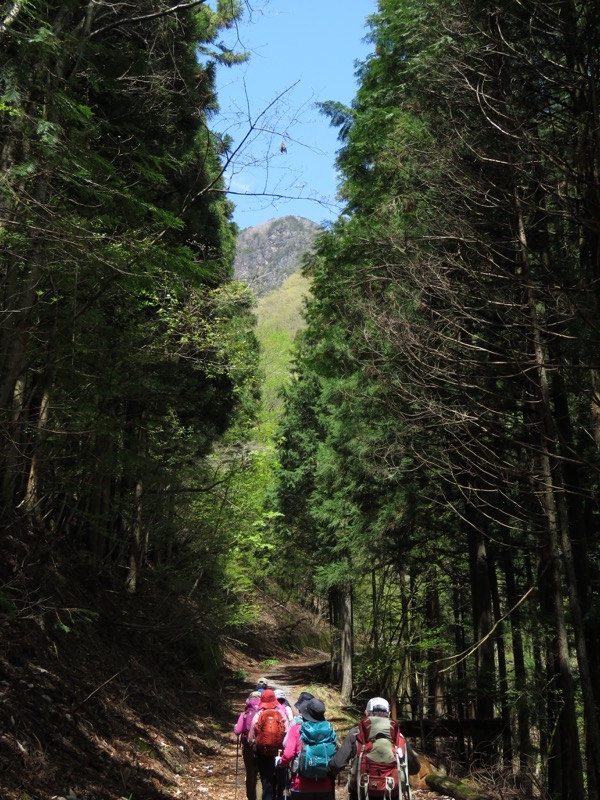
(254, 694)
(303, 698)
(280, 694)
(268, 699)
(313, 710)
(378, 705)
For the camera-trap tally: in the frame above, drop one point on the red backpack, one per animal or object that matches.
(269, 732)
(379, 770)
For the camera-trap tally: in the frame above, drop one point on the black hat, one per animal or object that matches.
(303, 699)
(313, 710)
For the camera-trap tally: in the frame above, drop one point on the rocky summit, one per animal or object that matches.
(269, 253)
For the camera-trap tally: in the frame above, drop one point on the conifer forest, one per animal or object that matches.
(428, 478)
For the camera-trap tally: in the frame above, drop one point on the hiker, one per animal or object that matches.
(376, 725)
(283, 702)
(266, 736)
(262, 684)
(310, 745)
(282, 776)
(303, 698)
(242, 729)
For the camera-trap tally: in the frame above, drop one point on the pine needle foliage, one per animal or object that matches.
(127, 350)
(449, 350)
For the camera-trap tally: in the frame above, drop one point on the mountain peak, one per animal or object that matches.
(268, 253)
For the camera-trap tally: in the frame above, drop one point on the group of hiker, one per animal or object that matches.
(297, 755)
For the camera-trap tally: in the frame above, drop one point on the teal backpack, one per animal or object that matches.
(319, 744)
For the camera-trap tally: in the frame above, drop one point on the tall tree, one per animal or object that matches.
(125, 351)
(460, 281)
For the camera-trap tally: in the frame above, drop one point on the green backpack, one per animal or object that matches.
(379, 768)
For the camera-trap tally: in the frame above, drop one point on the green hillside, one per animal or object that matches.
(279, 318)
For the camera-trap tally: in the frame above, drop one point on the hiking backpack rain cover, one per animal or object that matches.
(249, 713)
(379, 769)
(269, 732)
(319, 744)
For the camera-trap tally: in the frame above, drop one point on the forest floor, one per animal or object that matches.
(109, 705)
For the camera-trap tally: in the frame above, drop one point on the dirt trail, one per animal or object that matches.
(216, 780)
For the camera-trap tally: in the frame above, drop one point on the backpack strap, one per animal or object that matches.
(400, 771)
(363, 783)
(360, 783)
(402, 759)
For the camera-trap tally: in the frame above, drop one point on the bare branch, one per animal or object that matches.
(154, 15)
(253, 126)
(97, 689)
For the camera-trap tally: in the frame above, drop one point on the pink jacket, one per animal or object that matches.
(292, 748)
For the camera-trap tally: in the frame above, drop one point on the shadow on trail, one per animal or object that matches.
(295, 675)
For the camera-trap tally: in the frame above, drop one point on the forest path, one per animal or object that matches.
(220, 776)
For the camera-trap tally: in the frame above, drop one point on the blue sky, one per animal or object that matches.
(302, 52)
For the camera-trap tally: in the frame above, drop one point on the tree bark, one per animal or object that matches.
(481, 599)
(520, 681)
(453, 787)
(502, 669)
(572, 775)
(346, 642)
(137, 538)
(435, 700)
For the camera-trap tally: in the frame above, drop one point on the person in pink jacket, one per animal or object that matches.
(242, 729)
(266, 760)
(302, 786)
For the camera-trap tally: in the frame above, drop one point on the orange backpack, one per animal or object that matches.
(269, 732)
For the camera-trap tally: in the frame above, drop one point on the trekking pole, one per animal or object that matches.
(287, 792)
(237, 764)
(281, 779)
(407, 791)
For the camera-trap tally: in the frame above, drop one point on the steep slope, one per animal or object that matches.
(106, 695)
(269, 259)
(279, 319)
(269, 253)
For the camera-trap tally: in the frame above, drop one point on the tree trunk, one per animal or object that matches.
(31, 500)
(435, 700)
(462, 700)
(346, 642)
(520, 682)
(502, 670)
(137, 531)
(335, 669)
(481, 599)
(453, 787)
(552, 499)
